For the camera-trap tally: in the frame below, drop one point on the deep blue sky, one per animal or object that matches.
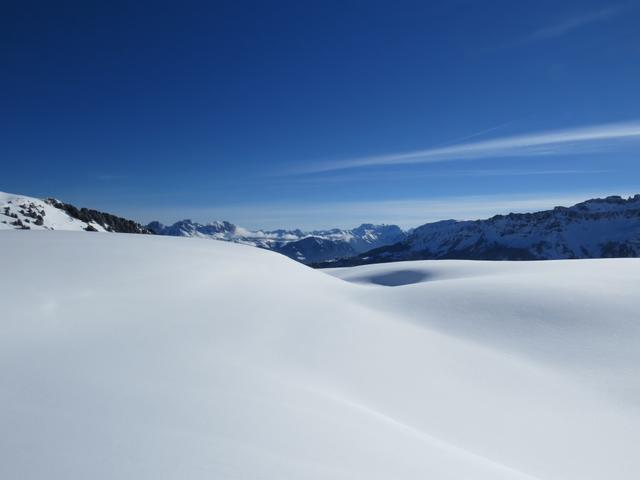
(277, 113)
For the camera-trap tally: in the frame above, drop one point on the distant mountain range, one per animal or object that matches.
(596, 228)
(28, 213)
(306, 247)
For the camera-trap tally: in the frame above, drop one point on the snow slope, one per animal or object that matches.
(146, 357)
(22, 212)
(19, 212)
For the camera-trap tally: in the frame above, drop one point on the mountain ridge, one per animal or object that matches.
(596, 228)
(21, 212)
(305, 247)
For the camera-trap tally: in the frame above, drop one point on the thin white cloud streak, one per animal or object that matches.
(477, 134)
(526, 173)
(373, 177)
(573, 23)
(555, 142)
(346, 214)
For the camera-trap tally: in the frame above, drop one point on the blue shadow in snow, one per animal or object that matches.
(402, 277)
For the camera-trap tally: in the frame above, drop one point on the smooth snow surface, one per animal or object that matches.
(142, 357)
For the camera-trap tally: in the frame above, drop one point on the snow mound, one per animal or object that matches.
(144, 357)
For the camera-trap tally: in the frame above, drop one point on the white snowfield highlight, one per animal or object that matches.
(141, 357)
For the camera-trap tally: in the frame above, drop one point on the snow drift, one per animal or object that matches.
(143, 357)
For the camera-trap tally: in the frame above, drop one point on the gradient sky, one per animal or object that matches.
(319, 114)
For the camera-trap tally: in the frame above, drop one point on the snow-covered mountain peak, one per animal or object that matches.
(612, 203)
(28, 213)
(308, 247)
(600, 227)
(603, 227)
(23, 212)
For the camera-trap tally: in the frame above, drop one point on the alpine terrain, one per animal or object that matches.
(20, 212)
(598, 228)
(306, 247)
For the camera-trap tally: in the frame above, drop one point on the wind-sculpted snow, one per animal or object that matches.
(147, 357)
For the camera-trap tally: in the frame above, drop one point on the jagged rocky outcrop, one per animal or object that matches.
(111, 223)
(28, 213)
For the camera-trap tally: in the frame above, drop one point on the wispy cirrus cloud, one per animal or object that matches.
(363, 176)
(573, 23)
(554, 142)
